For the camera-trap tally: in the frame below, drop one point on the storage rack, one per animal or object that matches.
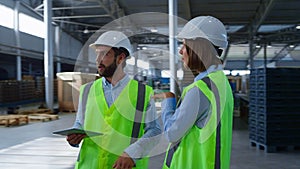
(274, 109)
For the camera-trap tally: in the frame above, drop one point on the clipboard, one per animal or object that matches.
(69, 131)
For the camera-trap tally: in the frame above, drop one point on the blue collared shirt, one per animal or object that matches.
(194, 109)
(142, 146)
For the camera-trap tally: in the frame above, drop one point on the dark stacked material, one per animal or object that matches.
(9, 91)
(40, 86)
(14, 93)
(27, 89)
(274, 116)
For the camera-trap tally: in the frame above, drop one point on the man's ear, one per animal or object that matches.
(121, 58)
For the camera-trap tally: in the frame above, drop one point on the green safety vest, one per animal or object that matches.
(121, 124)
(208, 147)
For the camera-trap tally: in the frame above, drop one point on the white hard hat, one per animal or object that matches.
(114, 39)
(207, 27)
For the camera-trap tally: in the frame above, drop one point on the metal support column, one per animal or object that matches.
(265, 55)
(48, 54)
(135, 55)
(57, 47)
(251, 52)
(251, 55)
(173, 43)
(18, 43)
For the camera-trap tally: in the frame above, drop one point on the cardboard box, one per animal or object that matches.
(69, 84)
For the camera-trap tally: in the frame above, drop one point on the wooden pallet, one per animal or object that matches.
(35, 111)
(10, 120)
(273, 148)
(42, 117)
(67, 111)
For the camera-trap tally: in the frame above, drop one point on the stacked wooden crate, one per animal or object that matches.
(68, 89)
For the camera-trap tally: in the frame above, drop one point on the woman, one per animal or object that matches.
(200, 127)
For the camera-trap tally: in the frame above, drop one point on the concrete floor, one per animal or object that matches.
(33, 146)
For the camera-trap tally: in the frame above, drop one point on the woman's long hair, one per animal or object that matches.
(202, 54)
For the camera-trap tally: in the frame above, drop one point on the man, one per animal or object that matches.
(120, 108)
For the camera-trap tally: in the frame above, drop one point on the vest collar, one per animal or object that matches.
(123, 81)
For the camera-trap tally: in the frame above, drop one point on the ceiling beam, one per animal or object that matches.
(226, 54)
(262, 12)
(109, 9)
(256, 50)
(82, 16)
(287, 35)
(77, 23)
(282, 53)
(39, 7)
(70, 7)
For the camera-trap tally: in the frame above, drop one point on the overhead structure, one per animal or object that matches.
(248, 23)
(262, 12)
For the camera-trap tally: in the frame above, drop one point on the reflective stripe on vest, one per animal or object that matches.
(212, 86)
(84, 99)
(139, 113)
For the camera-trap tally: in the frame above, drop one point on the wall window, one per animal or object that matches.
(27, 24)
(31, 25)
(7, 17)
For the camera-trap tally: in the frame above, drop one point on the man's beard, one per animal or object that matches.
(109, 70)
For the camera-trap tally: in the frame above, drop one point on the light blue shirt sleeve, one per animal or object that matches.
(178, 121)
(78, 121)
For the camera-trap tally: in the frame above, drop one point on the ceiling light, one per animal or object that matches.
(86, 30)
(153, 30)
(298, 27)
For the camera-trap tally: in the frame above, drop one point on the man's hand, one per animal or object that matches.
(75, 139)
(164, 95)
(124, 162)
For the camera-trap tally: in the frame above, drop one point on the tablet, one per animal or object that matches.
(69, 131)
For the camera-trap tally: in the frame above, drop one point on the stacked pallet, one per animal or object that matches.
(42, 117)
(274, 116)
(39, 115)
(34, 111)
(11, 120)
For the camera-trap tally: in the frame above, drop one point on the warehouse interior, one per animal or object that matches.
(45, 58)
